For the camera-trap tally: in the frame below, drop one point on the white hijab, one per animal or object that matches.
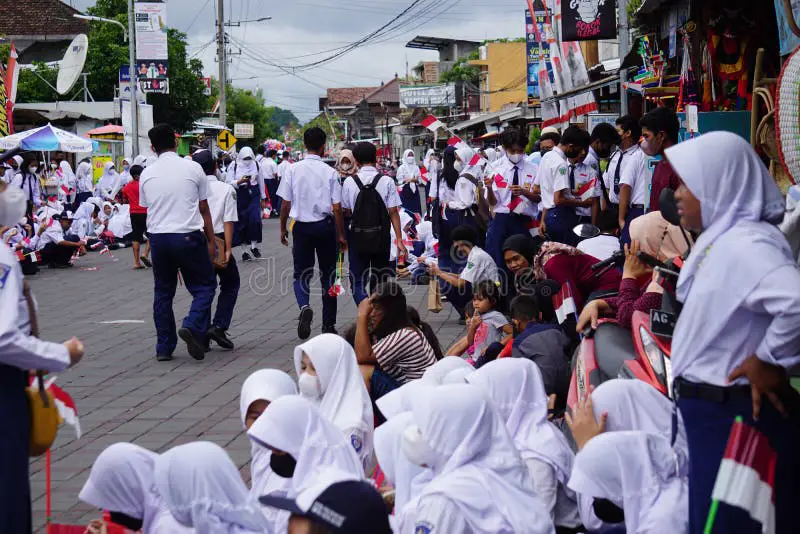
(84, 211)
(427, 159)
(434, 374)
(344, 400)
(406, 477)
(515, 386)
(465, 154)
(398, 400)
(477, 467)
(108, 181)
(202, 488)
(457, 376)
(293, 425)
(67, 176)
(639, 472)
(245, 167)
(268, 385)
(634, 405)
(122, 480)
(406, 171)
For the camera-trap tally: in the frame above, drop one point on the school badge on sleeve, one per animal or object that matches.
(5, 271)
(357, 443)
(423, 528)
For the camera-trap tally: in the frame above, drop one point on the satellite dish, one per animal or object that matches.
(71, 65)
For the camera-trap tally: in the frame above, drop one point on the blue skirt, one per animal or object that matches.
(411, 198)
(248, 204)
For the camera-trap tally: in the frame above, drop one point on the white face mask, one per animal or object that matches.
(346, 166)
(515, 158)
(458, 165)
(416, 448)
(309, 386)
(33, 169)
(410, 160)
(12, 205)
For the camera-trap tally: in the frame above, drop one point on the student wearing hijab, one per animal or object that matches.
(432, 166)
(302, 441)
(406, 477)
(640, 473)
(122, 482)
(66, 183)
(328, 375)
(516, 388)
(258, 391)
(202, 489)
(247, 177)
(479, 481)
(409, 178)
(737, 333)
(435, 374)
(346, 165)
(109, 183)
(271, 180)
(28, 181)
(125, 175)
(84, 182)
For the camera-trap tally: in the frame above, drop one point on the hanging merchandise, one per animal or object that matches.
(729, 41)
(709, 84)
(588, 20)
(688, 86)
(787, 123)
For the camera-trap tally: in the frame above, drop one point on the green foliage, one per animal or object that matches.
(282, 117)
(534, 136)
(633, 5)
(31, 88)
(462, 71)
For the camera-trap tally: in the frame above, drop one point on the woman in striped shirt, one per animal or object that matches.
(390, 349)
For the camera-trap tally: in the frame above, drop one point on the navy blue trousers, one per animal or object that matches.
(411, 199)
(272, 189)
(229, 283)
(15, 494)
(625, 237)
(187, 254)
(501, 227)
(248, 204)
(308, 239)
(367, 271)
(559, 224)
(708, 425)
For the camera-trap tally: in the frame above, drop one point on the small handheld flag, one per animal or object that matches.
(337, 288)
(564, 304)
(432, 123)
(587, 190)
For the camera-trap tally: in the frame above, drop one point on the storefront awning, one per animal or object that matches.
(605, 82)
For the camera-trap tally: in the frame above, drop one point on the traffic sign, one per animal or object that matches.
(226, 140)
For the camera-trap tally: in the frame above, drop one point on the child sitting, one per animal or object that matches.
(486, 325)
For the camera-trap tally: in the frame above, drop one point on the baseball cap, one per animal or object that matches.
(338, 501)
(203, 156)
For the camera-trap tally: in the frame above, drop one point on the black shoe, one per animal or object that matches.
(146, 261)
(220, 337)
(304, 324)
(246, 256)
(256, 253)
(164, 357)
(329, 330)
(195, 346)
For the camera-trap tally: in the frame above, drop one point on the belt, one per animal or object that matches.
(691, 390)
(638, 206)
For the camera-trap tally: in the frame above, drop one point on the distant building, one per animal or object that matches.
(366, 110)
(40, 29)
(450, 51)
(503, 75)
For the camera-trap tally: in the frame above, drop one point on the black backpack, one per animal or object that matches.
(369, 225)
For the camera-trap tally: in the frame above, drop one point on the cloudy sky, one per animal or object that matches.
(301, 29)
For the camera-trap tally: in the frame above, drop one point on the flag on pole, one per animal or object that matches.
(746, 477)
(337, 288)
(587, 190)
(454, 141)
(476, 159)
(564, 304)
(432, 123)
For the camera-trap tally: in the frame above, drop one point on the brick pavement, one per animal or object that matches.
(123, 394)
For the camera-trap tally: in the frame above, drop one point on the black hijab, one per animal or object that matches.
(449, 171)
(525, 246)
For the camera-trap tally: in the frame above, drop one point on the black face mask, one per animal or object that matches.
(282, 465)
(126, 521)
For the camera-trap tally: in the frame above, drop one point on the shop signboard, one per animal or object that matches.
(536, 48)
(152, 67)
(428, 96)
(588, 20)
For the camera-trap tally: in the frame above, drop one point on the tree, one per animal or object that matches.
(462, 71)
(282, 117)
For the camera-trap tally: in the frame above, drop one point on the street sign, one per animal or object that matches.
(243, 130)
(226, 140)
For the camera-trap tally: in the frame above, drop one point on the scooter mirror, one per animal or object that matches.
(668, 207)
(586, 231)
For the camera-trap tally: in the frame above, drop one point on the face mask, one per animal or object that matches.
(126, 521)
(515, 158)
(125, 168)
(282, 465)
(458, 166)
(12, 205)
(346, 166)
(33, 169)
(309, 386)
(416, 448)
(544, 151)
(410, 160)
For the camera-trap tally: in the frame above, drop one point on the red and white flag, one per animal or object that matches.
(35, 256)
(423, 174)
(533, 226)
(499, 181)
(517, 205)
(432, 123)
(454, 141)
(746, 477)
(476, 160)
(587, 190)
(64, 402)
(65, 189)
(564, 304)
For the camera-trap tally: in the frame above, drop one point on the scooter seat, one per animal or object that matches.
(613, 346)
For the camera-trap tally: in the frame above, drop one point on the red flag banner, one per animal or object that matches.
(587, 190)
(564, 304)
(432, 123)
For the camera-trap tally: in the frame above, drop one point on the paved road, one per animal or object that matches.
(123, 394)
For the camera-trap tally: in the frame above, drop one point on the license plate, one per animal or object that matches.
(662, 323)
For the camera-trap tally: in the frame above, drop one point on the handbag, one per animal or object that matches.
(434, 295)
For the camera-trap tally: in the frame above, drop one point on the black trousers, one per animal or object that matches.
(15, 493)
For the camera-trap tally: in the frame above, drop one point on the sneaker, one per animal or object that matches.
(164, 357)
(329, 330)
(220, 337)
(256, 253)
(246, 256)
(195, 346)
(304, 324)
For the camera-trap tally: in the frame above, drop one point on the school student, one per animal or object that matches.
(28, 181)
(138, 218)
(660, 129)
(84, 182)
(604, 137)
(584, 183)
(247, 177)
(406, 477)
(271, 180)
(109, 183)
(371, 203)
(224, 216)
(409, 179)
(54, 246)
(175, 192)
(510, 192)
(312, 197)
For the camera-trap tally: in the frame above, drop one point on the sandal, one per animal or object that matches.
(146, 261)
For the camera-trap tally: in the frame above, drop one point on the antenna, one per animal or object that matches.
(71, 64)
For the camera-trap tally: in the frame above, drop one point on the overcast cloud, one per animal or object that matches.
(305, 27)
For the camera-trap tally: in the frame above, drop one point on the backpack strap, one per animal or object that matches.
(357, 181)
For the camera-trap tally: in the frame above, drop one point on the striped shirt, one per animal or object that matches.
(404, 355)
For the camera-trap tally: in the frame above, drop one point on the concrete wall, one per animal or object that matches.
(503, 80)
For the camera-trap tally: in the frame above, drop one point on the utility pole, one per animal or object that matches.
(622, 5)
(133, 82)
(223, 64)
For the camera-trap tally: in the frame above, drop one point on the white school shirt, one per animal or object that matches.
(53, 234)
(592, 160)
(480, 267)
(553, 165)
(85, 180)
(312, 186)
(284, 167)
(601, 247)
(171, 189)
(386, 188)
(17, 347)
(221, 203)
(583, 174)
(270, 168)
(633, 173)
(31, 187)
(527, 177)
